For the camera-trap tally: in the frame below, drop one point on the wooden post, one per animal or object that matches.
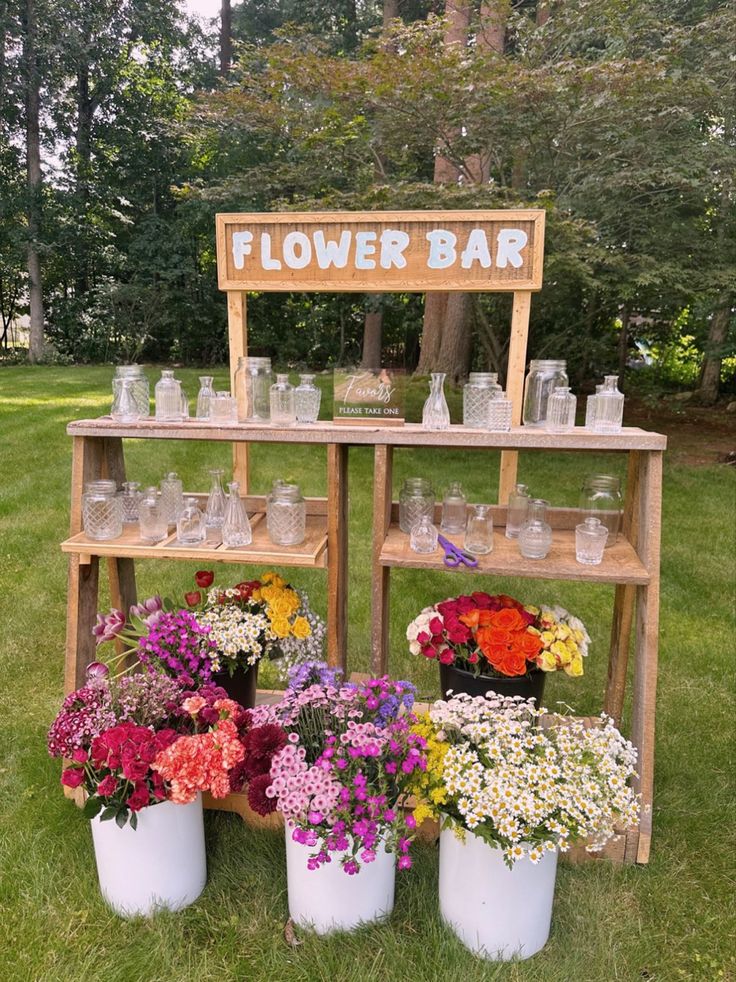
(382, 494)
(647, 636)
(237, 329)
(120, 570)
(337, 554)
(515, 386)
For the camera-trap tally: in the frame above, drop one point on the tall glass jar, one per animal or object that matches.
(535, 536)
(130, 498)
(590, 405)
(436, 412)
(204, 396)
(600, 497)
(307, 398)
(283, 408)
(102, 511)
(500, 410)
(416, 498)
(252, 389)
(454, 510)
(544, 376)
(516, 510)
(139, 385)
(561, 407)
(214, 514)
(169, 398)
(286, 515)
(477, 393)
(479, 531)
(609, 407)
(152, 523)
(172, 497)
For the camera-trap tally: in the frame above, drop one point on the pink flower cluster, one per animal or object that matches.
(83, 715)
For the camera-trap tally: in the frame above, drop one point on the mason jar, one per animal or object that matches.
(139, 386)
(544, 376)
(477, 393)
(286, 515)
(416, 499)
(253, 389)
(102, 510)
(600, 497)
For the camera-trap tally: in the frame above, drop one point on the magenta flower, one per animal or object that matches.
(97, 670)
(148, 610)
(108, 626)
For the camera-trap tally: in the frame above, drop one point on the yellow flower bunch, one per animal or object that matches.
(282, 603)
(427, 786)
(564, 638)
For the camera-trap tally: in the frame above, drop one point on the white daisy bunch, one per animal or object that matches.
(240, 636)
(528, 789)
(293, 650)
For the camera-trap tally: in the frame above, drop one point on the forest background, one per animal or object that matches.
(125, 125)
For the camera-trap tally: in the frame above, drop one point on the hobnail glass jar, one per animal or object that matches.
(479, 531)
(307, 398)
(561, 407)
(124, 407)
(454, 509)
(535, 535)
(236, 530)
(609, 407)
(152, 523)
(190, 530)
(283, 408)
(130, 498)
(499, 413)
(416, 499)
(139, 385)
(169, 398)
(252, 389)
(423, 537)
(205, 394)
(590, 404)
(172, 497)
(590, 541)
(214, 514)
(223, 409)
(286, 515)
(516, 510)
(436, 412)
(102, 511)
(545, 374)
(600, 497)
(477, 393)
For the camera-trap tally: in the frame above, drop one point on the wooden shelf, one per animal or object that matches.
(409, 435)
(620, 562)
(312, 553)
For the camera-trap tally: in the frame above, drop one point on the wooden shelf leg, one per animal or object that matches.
(515, 386)
(120, 571)
(382, 493)
(337, 554)
(80, 618)
(237, 325)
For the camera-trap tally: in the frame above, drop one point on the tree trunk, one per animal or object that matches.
(710, 376)
(83, 141)
(372, 339)
(34, 180)
(456, 343)
(390, 11)
(543, 12)
(623, 344)
(226, 37)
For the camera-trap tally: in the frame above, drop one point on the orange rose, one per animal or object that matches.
(530, 644)
(508, 662)
(470, 619)
(509, 619)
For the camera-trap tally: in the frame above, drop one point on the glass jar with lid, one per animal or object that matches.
(600, 497)
(102, 511)
(544, 376)
(139, 387)
(477, 393)
(286, 515)
(252, 389)
(416, 499)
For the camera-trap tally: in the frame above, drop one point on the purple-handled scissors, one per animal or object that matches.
(454, 555)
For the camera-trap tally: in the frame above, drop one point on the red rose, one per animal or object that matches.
(428, 651)
(423, 637)
(473, 657)
(80, 756)
(72, 777)
(464, 604)
(140, 797)
(436, 626)
(447, 657)
(482, 600)
(246, 589)
(107, 786)
(193, 598)
(204, 578)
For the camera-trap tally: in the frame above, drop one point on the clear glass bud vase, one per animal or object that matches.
(454, 509)
(560, 410)
(307, 398)
(236, 531)
(169, 398)
(609, 407)
(436, 413)
(205, 394)
(535, 536)
(283, 406)
(190, 530)
(516, 510)
(214, 514)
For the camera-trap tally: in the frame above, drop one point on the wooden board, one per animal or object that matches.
(395, 251)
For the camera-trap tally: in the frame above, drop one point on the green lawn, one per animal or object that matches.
(667, 921)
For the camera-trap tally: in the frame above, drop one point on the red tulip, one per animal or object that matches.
(193, 598)
(204, 578)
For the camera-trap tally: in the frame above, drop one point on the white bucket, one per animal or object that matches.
(329, 899)
(161, 864)
(497, 912)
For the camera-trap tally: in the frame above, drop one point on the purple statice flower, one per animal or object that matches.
(108, 626)
(148, 610)
(308, 673)
(84, 714)
(147, 699)
(178, 645)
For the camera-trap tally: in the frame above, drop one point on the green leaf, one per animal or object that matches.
(109, 812)
(122, 817)
(92, 807)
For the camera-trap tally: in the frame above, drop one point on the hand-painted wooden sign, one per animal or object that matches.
(381, 251)
(363, 396)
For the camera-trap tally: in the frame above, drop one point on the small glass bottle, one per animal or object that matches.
(190, 530)
(140, 386)
(130, 498)
(436, 413)
(286, 515)
(214, 514)
(423, 537)
(600, 497)
(283, 408)
(124, 406)
(416, 498)
(590, 404)
(454, 509)
(609, 409)
(545, 374)
(236, 531)
(252, 389)
(590, 541)
(102, 511)
(477, 393)
(516, 510)
(535, 535)
(172, 497)
(479, 531)
(152, 524)
(168, 395)
(223, 409)
(499, 413)
(560, 410)
(307, 398)
(205, 394)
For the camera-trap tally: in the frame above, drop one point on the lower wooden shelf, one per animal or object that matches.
(312, 553)
(620, 562)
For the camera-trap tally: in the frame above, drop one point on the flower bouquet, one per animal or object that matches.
(483, 641)
(339, 782)
(510, 796)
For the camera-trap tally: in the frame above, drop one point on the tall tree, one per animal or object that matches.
(34, 179)
(226, 37)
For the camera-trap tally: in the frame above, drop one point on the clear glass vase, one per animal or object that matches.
(423, 537)
(477, 393)
(286, 515)
(124, 406)
(307, 398)
(454, 510)
(516, 510)
(560, 410)
(609, 407)
(535, 535)
(436, 413)
(416, 499)
(172, 497)
(223, 409)
(102, 511)
(283, 406)
(590, 541)
(152, 523)
(140, 387)
(214, 514)
(600, 497)
(205, 394)
(236, 531)
(545, 374)
(169, 398)
(252, 389)
(130, 498)
(479, 530)
(190, 530)
(590, 405)
(500, 409)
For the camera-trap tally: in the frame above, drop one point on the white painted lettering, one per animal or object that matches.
(297, 250)
(510, 243)
(393, 243)
(363, 249)
(476, 250)
(266, 261)
(441, 248)
(241, 248)
(331, 253)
